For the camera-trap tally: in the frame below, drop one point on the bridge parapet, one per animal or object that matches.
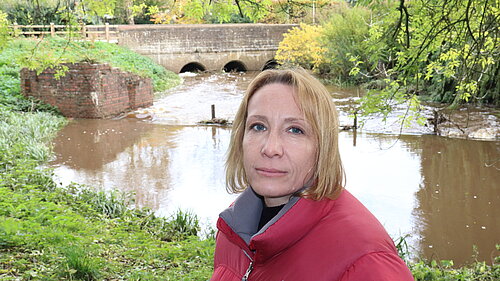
(211, 46)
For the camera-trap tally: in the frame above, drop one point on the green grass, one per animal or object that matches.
(444, 271)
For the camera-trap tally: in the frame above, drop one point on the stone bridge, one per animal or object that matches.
(206, 47)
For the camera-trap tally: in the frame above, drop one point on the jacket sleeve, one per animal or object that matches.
(379, 266)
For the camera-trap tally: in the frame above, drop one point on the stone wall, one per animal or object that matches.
(89, 90)
(211, 45)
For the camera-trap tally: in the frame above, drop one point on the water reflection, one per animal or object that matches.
(167, 167)
(459, 198)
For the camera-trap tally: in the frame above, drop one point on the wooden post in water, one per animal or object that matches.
(354, 137)
(355, 125)
(354, 128)
(213, 111)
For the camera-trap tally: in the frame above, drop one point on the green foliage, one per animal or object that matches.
(4, 30)
(183, 224)
(25, 135)
(444, 271)
(98, 8)
(27, 12)
(447, 53)
(344, 36)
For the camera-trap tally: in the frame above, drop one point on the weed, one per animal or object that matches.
(183, 224)
(81, 264)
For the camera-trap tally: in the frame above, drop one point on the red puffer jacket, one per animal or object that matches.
(308, 240)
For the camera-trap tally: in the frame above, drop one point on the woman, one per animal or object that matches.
(293, 220)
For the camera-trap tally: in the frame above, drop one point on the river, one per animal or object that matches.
(442, 192)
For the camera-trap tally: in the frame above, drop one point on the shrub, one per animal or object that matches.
(301, 46)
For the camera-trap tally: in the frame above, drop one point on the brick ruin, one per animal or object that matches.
(89, 90)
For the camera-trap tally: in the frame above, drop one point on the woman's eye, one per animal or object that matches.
(258, 127)
(295, 130)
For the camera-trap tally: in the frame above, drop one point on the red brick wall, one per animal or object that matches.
(89, 90)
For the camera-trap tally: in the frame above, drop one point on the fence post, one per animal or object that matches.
(15, 29)
(107, 32)
(52, 30)
(84, 31)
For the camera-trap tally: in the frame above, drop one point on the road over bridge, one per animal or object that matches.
(210, 47)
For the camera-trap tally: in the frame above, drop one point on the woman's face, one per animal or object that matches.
(279, 147)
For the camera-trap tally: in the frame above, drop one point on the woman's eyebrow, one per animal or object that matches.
(295, 119)
(257, 117)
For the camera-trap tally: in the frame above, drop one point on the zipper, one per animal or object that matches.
(249, 269)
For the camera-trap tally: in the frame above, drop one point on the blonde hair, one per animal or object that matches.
(315, 102)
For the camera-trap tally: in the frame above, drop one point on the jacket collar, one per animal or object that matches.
(292, 223)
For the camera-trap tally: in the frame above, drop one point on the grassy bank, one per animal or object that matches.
(48, 232)
(51, 52)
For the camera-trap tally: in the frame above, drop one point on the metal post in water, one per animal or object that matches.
(213, 111)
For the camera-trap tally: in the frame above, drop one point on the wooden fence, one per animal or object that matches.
(104, 32)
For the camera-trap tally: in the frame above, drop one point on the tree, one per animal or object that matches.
(443, 50)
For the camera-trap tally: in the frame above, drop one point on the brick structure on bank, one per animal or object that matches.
(89, 90)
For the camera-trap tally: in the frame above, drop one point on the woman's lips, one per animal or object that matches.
(269, 172)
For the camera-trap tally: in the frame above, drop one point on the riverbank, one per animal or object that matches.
(53, 232)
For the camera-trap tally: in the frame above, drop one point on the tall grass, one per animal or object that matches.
(26, 135)
(81, 264)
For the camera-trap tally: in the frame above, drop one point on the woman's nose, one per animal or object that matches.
(272, 145)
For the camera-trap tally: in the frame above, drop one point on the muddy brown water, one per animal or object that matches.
(442, 192)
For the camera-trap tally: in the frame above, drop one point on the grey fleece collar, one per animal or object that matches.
(244, 215)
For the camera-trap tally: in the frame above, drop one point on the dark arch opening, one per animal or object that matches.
(235, 66)
(192, 67)
(271, 64)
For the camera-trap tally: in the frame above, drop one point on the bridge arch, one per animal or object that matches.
(271, 64)
(193, 67)
(235, 65)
